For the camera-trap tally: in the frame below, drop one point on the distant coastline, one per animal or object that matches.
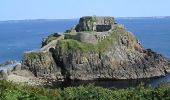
(156, 17)
(37, 20)
(34, 20)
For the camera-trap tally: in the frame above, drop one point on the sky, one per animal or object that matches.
(68, 9)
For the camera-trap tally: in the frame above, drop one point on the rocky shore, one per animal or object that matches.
(7, 63)
(96, 48)
(16, 74)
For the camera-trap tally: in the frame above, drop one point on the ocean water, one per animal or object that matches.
(16, 37)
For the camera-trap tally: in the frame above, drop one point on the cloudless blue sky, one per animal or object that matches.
(66, 9)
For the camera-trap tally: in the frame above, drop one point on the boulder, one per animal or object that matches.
(23, 73)
(17, 67)
(41, 64)
(3, 74)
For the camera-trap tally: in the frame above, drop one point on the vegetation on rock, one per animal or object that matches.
(70, 44)
(50, 38)
(35, 55)
(74, 45)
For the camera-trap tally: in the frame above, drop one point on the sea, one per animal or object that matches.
(19, 36)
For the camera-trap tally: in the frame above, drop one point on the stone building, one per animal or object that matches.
(92, 23)
(91, 29)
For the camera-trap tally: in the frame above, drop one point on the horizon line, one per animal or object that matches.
(31, 19)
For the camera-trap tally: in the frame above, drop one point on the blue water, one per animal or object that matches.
(16, 37)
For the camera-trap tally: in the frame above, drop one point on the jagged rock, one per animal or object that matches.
(116, 55)
(23, 73)
(41, 64)
(9, 70)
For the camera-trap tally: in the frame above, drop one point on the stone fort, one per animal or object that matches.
(91, 29)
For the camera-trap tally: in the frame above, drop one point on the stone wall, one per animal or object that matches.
(88, 37)
(93, 23)
(85, 37)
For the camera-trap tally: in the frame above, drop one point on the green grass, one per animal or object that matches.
(35, 55)
(74, 45)
(12, 91)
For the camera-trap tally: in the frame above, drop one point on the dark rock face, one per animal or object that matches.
(117, 56)
(41, 64)
(117, 64)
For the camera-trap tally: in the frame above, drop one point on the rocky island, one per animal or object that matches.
(97, 48)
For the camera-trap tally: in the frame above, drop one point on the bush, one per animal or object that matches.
(12, 91)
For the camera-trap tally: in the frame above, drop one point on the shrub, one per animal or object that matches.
(12, 91)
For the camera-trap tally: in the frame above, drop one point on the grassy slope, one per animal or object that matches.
(11, 91)
(71, 44)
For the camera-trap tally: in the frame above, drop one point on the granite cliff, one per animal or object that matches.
(96, 48)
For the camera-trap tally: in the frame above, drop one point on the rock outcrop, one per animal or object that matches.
(3, 74)
(42, 64)
(116, 55)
